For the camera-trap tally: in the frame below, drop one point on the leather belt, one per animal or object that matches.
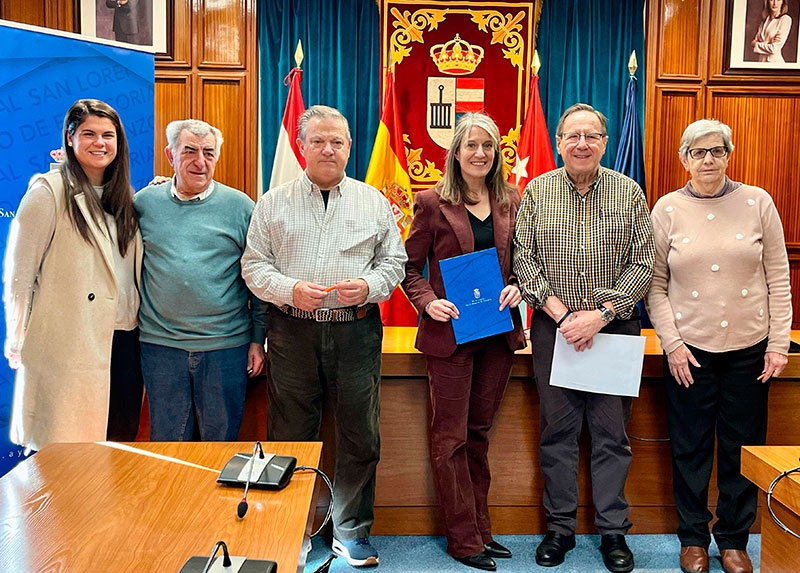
(345, 314)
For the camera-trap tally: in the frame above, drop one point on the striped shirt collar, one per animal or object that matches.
(209, 190)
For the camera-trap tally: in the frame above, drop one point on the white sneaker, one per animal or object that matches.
(358, 552)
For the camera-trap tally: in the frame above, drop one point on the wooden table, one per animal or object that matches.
(780, 551)
(112, 507)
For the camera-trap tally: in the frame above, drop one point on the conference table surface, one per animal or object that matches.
(147, 506)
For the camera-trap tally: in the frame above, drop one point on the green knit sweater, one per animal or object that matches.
(193, 294)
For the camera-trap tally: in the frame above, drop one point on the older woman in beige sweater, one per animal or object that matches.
(720, 302)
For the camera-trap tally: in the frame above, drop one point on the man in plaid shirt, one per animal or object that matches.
(584, 256)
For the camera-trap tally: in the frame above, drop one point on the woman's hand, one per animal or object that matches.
(14, 360)
(441, 309)
(774, 363)
(510, 296)
(679, 360)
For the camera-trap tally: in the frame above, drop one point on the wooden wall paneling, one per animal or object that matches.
(716, 45)
(173, 96)
(222, 34)
(182, 34)
(766, 135)
(30, 12)
(794, 277)
(675, 108)
(60, 15)
(56, 14)
(680, 23)
(223, 104)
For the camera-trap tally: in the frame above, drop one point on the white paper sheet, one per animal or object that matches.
(613, 365)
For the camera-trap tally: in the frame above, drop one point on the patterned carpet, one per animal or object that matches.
(411, 554)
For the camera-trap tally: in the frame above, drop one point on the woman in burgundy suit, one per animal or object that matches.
(471, 209)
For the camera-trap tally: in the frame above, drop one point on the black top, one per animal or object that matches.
(482, 231)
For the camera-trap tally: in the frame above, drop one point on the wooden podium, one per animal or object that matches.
(146, 507)
(780, 551)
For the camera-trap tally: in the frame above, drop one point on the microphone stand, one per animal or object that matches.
(226, 558)
(241, 509)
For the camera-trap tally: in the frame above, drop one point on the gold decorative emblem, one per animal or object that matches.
(505, 29)
(456, 57)
(409, 28)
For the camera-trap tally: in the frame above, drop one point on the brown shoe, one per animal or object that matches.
(736, 561)
(694, 559)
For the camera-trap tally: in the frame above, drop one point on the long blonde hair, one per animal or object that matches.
(452, 188)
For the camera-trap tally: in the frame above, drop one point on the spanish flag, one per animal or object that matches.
(388, 172)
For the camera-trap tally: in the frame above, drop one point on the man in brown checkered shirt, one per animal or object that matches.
(584, 256)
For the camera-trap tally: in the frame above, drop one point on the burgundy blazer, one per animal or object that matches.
(439, 231)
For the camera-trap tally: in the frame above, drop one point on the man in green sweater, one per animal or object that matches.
(200, 332)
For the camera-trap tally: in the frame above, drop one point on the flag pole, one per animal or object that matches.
(633, 65)
(298, 53)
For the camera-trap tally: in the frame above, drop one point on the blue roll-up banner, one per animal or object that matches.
(42, 73)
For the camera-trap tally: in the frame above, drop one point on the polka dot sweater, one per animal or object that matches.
(721, 278)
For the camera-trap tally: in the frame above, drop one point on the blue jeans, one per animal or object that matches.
(186, 388)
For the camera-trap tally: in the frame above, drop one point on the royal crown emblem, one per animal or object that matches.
(456, 57)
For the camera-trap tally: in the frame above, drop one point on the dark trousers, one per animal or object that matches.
(727, 399)
(466, 390)
(560, 420)
(125, 402)
(309, 360)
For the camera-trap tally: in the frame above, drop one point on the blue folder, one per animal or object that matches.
(473, 283)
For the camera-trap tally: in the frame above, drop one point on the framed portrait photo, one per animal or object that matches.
(761, 37)
(138, 22)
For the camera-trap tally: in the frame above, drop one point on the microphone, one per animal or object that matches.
(226, 558)
(227, 564)
(241, 509)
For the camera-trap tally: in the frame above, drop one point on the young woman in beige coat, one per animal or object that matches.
(70, 291)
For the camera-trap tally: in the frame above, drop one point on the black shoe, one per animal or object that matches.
(494, 549)
(553, 547)
(617, 556)
(479, 561)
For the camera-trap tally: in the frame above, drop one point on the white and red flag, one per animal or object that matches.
(289, 162)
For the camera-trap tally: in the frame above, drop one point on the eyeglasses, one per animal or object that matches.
(318, 143)
(700, 152)
(591, 138)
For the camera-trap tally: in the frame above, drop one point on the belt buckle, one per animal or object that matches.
(323, 315)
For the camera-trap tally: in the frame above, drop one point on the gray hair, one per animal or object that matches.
(574, 108)
(195, 127)
(320, 112)
(701, 128)
(452, 188)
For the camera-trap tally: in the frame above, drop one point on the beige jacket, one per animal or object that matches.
(62, 388)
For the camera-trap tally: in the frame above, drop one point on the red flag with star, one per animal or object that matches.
(534, 152)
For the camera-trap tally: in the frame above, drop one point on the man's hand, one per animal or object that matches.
(678, 361)
(308, 296)
(255, 359)
(441, 309)
(352, 292)
(581, 326)
(157, 179)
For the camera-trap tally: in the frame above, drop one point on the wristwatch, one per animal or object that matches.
(606, 314)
